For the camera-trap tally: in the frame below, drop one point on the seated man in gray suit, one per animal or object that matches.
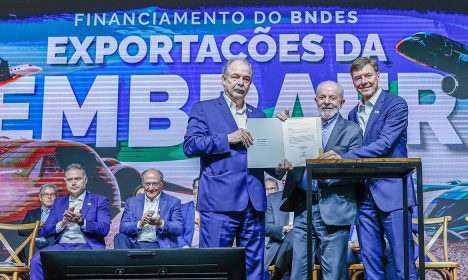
(278, 232)
(150, 220)
(334, 202)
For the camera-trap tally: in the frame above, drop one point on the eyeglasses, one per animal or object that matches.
(48, 194)
(154, 184)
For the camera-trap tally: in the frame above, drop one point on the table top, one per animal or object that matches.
(362, 168)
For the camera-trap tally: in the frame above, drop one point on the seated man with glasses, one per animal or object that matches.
(150, 220)
(47, 196)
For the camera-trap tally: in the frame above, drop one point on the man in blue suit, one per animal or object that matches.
(334, 206)
(151, 220)
(191, 218)
(78, 221)
(231, 198)
(383, 119)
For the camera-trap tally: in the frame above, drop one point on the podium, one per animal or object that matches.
(370, 168)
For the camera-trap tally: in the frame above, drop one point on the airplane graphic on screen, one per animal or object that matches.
(11, 74)
(441, 53)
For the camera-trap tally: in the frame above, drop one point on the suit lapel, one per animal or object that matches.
(375, 113)
(86, 203)
(139, 207)
(334, 134)
(223, 107)
(37, 214)
(65, 204)
(162, 206)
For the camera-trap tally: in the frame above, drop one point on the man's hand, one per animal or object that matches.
(287, 228)
(330, 155)
(283, 116)
(241, 136)
(284, 166)
(146, 218)
(155, 220)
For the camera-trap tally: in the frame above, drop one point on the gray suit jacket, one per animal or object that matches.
(275, 219)
(337, 197)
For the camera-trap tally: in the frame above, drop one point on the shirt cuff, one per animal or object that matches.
(58, 227)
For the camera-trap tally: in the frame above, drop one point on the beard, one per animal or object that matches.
(328, 115)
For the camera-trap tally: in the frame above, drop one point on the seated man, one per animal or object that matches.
(152, 220)
(191, 235)
(47, 195)
(79, 220)
(278, 227)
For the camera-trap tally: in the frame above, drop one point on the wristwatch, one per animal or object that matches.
(81, 223)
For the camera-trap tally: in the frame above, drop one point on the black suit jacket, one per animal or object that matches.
(31, 217)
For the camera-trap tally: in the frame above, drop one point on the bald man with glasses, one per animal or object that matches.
(151, 220)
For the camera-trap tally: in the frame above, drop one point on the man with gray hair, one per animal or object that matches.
(47, 195)
(231, 199)
(150, 220)
(333, 201)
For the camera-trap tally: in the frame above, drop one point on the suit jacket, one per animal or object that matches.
(337, 198)
(188, 217)
(225, 182)
(33, 216)
(169, 207)
(275, 219)
(385, 137)
(95, 211)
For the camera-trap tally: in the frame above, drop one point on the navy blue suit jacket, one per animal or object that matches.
(226, 184)
(188, 217)
(95, 211)
(385, 137)
(170, 213)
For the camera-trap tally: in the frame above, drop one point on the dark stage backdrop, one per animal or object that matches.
(111, 86)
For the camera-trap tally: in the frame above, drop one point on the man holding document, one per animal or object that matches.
(231, 197)
(334, 201)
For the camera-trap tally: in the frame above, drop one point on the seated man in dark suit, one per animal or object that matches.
(191, 236)
(278, 227)
(78, 221)
(47, 195)
(150, 220)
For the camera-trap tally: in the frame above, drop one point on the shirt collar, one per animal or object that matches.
(154, 201)
(44, 211)
(329, 122)
(233, 107)
(373, 99)
(79, 198)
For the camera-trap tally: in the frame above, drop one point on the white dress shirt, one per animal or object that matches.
(365, 109)
(196, 231)
(72, 232)
(240, 116)
(148, 232)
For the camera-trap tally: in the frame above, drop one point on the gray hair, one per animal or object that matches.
(75, 166)
(340, 88)
(153, 169)
(273, 181)
(232, 60)
(48, 186)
